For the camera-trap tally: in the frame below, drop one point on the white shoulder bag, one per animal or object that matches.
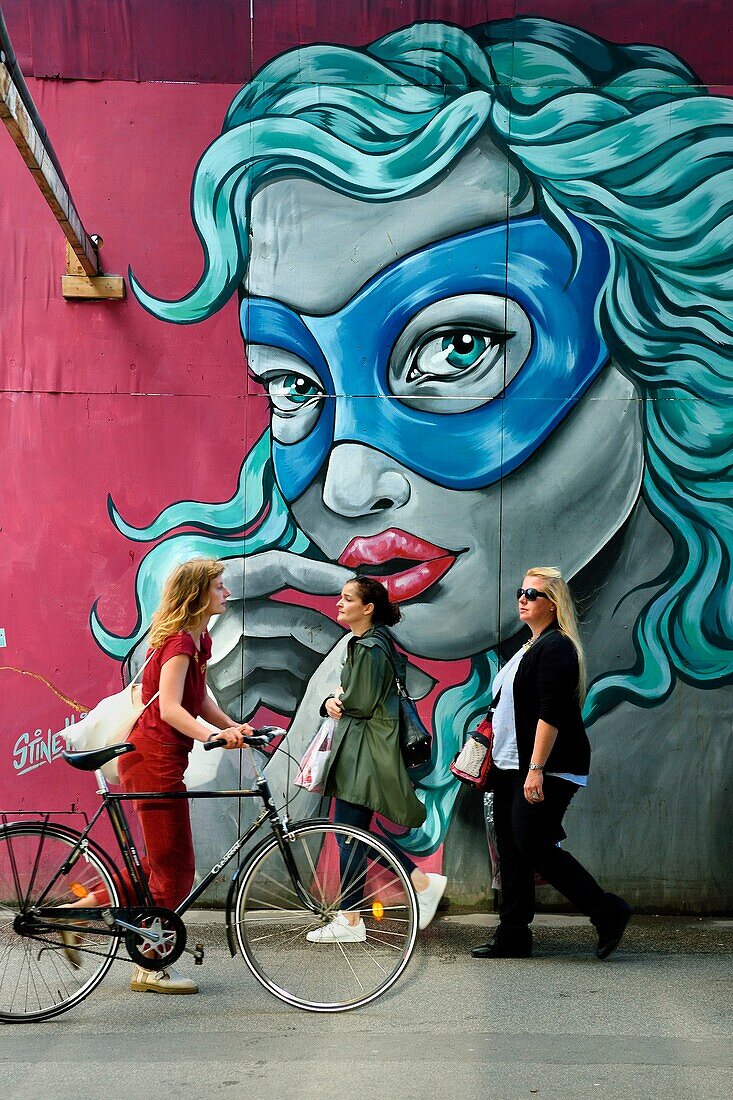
(110, 723)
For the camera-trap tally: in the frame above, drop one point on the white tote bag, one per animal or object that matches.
(110, 723)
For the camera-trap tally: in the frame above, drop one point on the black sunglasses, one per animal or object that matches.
(531, 594)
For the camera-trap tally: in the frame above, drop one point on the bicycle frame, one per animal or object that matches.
(111, 804)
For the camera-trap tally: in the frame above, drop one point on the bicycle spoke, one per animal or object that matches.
(281, 886)
(36, 865)
(348, 963)
(351, 888)
(14, 868)
(372, 956)
(314, 873)
(281, 932)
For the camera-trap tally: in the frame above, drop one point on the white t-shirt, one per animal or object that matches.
(504, 750)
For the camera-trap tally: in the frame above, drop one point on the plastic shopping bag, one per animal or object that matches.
(313, 765)
(491, 840)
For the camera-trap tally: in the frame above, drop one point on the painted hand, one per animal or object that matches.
(285, 643)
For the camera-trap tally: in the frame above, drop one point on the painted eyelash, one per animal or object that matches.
(267, 379)
(497, 341)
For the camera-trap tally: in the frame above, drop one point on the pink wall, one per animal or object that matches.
(72, 428)
(102, 398)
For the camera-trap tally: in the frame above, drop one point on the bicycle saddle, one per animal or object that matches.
(93, 759)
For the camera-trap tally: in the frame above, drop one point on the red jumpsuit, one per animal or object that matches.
(158, 765)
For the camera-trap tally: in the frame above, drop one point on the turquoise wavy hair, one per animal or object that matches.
(623, 137)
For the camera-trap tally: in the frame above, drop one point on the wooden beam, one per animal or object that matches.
(30, 144)
(77, 284)
(97, 288)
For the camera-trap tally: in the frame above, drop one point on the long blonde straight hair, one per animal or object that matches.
(557, 589)
(185, 600)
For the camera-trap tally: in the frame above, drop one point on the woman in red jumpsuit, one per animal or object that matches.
(164, 736)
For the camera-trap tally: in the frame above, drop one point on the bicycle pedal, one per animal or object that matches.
(198, 954)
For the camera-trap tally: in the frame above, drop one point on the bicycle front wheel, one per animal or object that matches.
(43, 971)
(273, 922)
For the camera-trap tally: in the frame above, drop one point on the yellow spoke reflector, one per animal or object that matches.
(377, 910)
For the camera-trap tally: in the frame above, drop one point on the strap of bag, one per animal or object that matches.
(388, 650)
(142, 668)
(139, 673)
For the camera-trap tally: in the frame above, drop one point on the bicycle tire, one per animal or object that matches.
(271, 922)
(38, 975)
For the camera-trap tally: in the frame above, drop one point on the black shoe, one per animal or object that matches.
(517, 946)
(611, 923)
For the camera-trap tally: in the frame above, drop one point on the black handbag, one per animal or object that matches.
(416, 742)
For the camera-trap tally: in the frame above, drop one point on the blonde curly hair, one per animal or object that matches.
(185, 600)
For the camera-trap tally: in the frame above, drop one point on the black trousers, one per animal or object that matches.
(353, 859)
(527, 836)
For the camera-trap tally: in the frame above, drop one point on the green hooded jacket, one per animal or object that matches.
(366, 766)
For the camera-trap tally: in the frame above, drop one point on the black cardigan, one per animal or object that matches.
(546, 687)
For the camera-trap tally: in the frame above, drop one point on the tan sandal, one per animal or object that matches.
(161, 981)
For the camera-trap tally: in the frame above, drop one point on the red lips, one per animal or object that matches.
(392, 547)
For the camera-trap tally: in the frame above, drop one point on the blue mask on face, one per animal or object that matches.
(348, 353)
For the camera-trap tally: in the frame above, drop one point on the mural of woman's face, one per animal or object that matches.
(416, 473)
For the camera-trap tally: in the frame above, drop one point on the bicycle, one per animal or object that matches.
(289, 884)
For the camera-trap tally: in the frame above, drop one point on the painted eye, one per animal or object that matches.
(463, 349)
(296, 393)
(459, 353)
(288, 391)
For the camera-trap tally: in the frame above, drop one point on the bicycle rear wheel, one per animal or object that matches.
(41, 974)
(272, 922)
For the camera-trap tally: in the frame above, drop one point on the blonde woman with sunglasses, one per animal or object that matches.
(541, 754)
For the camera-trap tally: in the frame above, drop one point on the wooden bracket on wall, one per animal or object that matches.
(77, 284)
(20, 117)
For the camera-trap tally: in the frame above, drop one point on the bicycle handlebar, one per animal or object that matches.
(262, 736)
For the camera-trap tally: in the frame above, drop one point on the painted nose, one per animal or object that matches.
(361, 481)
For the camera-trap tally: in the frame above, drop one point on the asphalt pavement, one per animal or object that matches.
(652, 1021)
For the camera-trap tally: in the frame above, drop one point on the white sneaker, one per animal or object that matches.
(429, 899)
(161, 981)
(338, 931)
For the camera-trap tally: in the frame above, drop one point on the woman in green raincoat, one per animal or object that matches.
(365, 773)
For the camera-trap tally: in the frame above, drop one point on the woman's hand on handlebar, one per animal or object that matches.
(258, 738)
(233, 737)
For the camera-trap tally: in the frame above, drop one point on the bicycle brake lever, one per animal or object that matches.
(268, 733)
(260, 738)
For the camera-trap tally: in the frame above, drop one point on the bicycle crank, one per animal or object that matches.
(157, 940)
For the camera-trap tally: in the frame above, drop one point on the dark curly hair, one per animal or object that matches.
(386, 613)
